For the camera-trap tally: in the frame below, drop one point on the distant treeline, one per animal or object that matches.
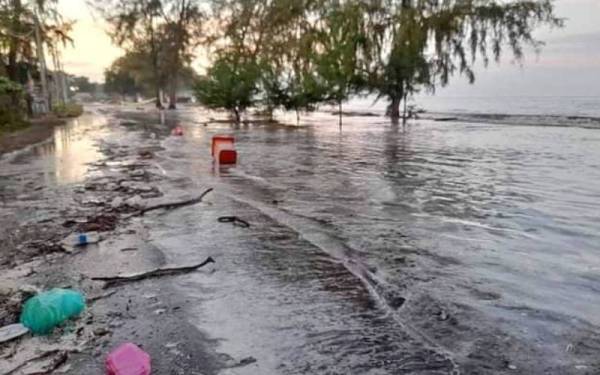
(297, 54)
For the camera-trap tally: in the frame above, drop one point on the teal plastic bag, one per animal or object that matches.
(49, 309)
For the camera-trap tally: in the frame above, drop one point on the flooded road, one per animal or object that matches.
(476, 242)
(431, 248)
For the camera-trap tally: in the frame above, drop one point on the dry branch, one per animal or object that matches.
(173, 205)
(111, 281)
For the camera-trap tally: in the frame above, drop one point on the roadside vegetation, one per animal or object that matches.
(68, 110)
(298, 54)
(33, 82)
(11, 118)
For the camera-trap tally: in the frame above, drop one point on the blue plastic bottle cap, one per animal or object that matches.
(82, 239)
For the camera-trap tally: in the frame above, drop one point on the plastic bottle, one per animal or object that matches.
(128, 359)
(82, 239)
(49, 309)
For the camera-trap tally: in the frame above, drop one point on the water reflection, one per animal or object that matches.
(66, 156)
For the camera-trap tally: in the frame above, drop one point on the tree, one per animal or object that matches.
(230, 83)
(168, 29)
(183, 21)
(135, 23)
(120, 77)
(119, 82)
(421, 44)
(339, 60)
(82, 84)
(26, 28)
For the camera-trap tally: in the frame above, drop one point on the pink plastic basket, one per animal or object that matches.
(128, 359)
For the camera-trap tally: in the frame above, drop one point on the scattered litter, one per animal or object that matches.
(101, 331)
(42, 313)
(146, 154)
(99, 223)
(177, 131)
(128, 359)
(234, 220)
(12, 332)
(443, 315)
(129, 249)
(116, 280)
(79, 240)
(240, 363)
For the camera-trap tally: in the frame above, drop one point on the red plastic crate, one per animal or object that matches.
(223, 141)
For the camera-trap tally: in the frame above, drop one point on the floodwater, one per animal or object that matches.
(430, 248)
(63, 158)
(364, 241)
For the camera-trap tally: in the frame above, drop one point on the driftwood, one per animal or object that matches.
(110, 281)
(171, 206)
(234, 220)
(57, 359)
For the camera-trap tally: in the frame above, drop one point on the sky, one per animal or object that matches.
(569, 64)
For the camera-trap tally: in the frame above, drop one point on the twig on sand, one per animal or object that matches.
(93, 299)
(171, 206)
(111, 281)
(59, 358)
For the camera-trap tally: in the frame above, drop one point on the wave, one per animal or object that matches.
(589, 122)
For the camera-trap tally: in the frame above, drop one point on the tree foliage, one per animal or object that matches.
(230, 83)
(27, 29)
(167, 31)
(323, 51)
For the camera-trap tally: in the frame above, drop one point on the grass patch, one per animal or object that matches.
(11, 121)
(68, 110)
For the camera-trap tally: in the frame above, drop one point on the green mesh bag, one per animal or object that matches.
(49, 309)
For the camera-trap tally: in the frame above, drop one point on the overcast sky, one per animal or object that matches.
(569, 64)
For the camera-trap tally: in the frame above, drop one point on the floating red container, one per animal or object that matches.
(223, 149)
(222, 140)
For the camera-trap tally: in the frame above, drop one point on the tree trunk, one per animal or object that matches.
(14, 43)
(42, 61)
(12, 68)
(158, 100)
(340, 112)
(173, 93)
(56, 77)
(236, 113)
(297, 117)
(404, 114)
(394, 110)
